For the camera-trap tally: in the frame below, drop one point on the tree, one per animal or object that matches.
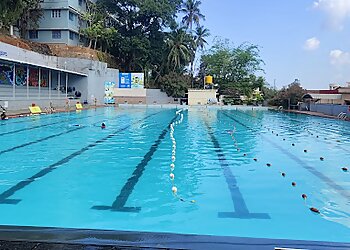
(290, 95)
(192, 13)
(140, 25)
(175, 84)
(23, 13)
(179, 44)
(200, 35)
(234, 69)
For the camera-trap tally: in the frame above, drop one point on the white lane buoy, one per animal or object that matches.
(173, 158)
(174, 189)
(172, 176)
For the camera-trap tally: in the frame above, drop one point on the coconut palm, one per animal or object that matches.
(178, 43)
(192, 13)
(200, 34)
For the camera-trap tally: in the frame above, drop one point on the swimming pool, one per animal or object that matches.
(233, 172)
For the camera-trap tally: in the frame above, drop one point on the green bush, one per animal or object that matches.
(175, 84)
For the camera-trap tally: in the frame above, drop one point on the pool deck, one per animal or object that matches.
(313, 114)
(25, 112)
(13, 237)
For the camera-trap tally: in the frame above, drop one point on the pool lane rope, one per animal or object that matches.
(174, 190)
(304, 196)
(283, 174)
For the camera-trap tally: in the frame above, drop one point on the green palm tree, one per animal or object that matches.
(179, 49)
(192, 13)
(200, 35)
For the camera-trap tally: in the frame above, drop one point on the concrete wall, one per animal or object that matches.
(130, 96)
(201, 97)
(142, 96)
(92, 85)
(56, 23)
(54, 4)
(330, 109)
(156, 96)
(48, 23)
(96, 83)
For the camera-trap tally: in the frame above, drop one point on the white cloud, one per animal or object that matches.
(339, 57)
(337, 10)
(312, 44)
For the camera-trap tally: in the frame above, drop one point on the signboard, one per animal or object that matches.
(137, 81)
(124, 80)
(131, 80)
(109, 93)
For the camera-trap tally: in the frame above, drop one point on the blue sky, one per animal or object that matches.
(305, 39)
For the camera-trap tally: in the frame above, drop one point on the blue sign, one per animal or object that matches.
(125, 80)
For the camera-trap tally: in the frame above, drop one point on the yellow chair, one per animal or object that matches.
(34, 109)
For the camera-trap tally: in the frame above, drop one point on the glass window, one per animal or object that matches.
(55, 13)
(33, 34)
(56, 34)
(71, 35)
(71, 16)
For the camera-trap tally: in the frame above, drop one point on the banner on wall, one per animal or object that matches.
(6, 74)
(109, 93)
(131, 80)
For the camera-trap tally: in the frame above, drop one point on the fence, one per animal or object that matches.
(330, 109)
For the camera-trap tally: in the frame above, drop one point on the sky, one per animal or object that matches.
(299, 39)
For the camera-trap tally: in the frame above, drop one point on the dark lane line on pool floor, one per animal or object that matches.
(241, 210)
(50, 137)
(342, 191)
(46, 125)
(119, 204)
(22, 184)
(51, 116)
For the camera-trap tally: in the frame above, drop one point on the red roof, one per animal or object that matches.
(323, 91)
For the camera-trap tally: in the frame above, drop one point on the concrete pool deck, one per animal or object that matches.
(25, 112)
(13, 237)
(314, 114)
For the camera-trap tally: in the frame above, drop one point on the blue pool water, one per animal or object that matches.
(56, 174)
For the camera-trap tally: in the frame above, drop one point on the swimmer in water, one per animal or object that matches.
(103, 125)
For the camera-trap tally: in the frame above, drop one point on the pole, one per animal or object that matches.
(27, 81)
(14, 82)
(50, 84)
(288, 103)
(66, 84)
(39, 82)
(59, 84)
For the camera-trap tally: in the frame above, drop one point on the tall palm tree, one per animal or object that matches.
(198, 42)
(200, 34)
(192, 13)
(179, 48)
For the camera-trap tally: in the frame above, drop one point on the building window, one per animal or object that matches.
(56, 34)
(33, 34)
(71, 16)
(80, 2)
(55, 13)
(71, 35)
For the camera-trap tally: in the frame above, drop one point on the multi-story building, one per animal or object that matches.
(60, 23)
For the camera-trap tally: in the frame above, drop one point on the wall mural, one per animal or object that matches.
(33, 77)
(6, 74)
(21, 75)
(44, 78)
